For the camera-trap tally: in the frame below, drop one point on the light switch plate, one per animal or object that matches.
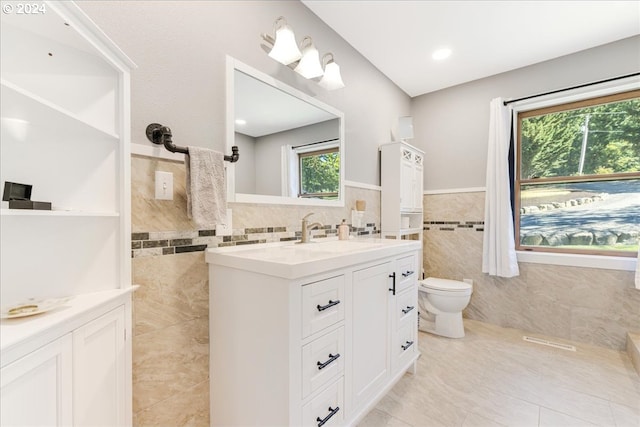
(164, 185)
(225, 229)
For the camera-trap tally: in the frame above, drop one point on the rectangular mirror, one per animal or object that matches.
(291, 145)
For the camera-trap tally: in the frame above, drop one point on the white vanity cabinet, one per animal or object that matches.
(309, 334)
(401, 178)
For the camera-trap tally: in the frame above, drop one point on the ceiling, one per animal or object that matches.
(485, 37)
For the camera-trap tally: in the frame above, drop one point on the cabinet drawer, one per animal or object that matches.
(407, 271)
(322, 304)
(406, 306)
(327, 408)
(322, 360)
(404, 343)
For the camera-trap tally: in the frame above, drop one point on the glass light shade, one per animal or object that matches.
(285, 50)
(309, 66)
(332, 78)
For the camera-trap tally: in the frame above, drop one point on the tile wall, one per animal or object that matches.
(171, 342)
(171, 307)
(589, 305)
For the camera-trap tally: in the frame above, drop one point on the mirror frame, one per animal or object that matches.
(233, 197)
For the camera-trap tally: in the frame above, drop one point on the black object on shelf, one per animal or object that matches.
(161, 135)
(19, 197)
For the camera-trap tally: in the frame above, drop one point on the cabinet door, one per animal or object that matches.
(370, 333)
(99, 371)
(407, 183)
(36, 389)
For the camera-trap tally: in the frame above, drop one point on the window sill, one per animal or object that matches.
(575, 260)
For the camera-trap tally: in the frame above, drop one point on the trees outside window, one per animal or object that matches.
(320, 174)
(578, 176)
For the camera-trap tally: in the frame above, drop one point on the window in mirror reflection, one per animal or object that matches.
(314, 170)
(320, 174)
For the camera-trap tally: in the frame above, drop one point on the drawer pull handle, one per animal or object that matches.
(330, 304)
(407, 273)
(393, 276)
(408, 309)
(332, 412)
(407, 345)
(331, 359)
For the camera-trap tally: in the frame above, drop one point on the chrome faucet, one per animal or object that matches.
(306, 228)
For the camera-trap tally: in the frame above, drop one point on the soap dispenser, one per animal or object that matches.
(343, 231)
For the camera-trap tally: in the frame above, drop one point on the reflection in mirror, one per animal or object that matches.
(291, 144)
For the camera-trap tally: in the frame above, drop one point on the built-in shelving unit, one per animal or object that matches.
(65, 130)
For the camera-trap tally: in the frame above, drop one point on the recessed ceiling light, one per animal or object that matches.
(241, 122)
(441, 54)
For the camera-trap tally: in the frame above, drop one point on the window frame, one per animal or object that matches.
(596, 95)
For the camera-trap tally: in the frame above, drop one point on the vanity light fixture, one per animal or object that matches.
(331, 79)
(285, 50)
(307, 63)
(309, 66)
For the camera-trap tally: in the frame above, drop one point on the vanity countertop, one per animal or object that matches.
(292, 260)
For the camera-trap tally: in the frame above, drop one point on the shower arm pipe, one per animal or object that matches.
(161, 135)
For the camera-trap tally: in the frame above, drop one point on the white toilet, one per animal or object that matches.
(443, 300)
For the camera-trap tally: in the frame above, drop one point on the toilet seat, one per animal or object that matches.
(436, 284)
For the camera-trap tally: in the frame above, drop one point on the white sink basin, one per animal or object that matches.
(340, 246)
(292, 260)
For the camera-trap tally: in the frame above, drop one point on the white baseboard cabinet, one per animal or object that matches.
(71, 367)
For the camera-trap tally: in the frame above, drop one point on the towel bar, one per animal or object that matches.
(161, 135)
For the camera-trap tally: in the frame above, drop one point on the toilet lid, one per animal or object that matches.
(445, 284)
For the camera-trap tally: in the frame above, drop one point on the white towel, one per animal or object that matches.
(206, 187)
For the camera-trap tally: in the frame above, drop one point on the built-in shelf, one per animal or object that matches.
(29, 212)
(21, 108)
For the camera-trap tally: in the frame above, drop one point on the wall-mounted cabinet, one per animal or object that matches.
(65, 107)
(401, 175)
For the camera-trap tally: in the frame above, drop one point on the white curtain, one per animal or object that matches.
(289, 183)
(498, 249)
(638, 269)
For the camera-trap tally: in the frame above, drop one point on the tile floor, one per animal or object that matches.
(492, 377)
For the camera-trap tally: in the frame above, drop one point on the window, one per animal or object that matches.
(577, 186)
(319, 173)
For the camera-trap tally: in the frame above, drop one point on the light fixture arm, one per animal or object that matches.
(329, 57)
(306, 42)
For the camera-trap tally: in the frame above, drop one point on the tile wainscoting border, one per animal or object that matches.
(157, 243)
